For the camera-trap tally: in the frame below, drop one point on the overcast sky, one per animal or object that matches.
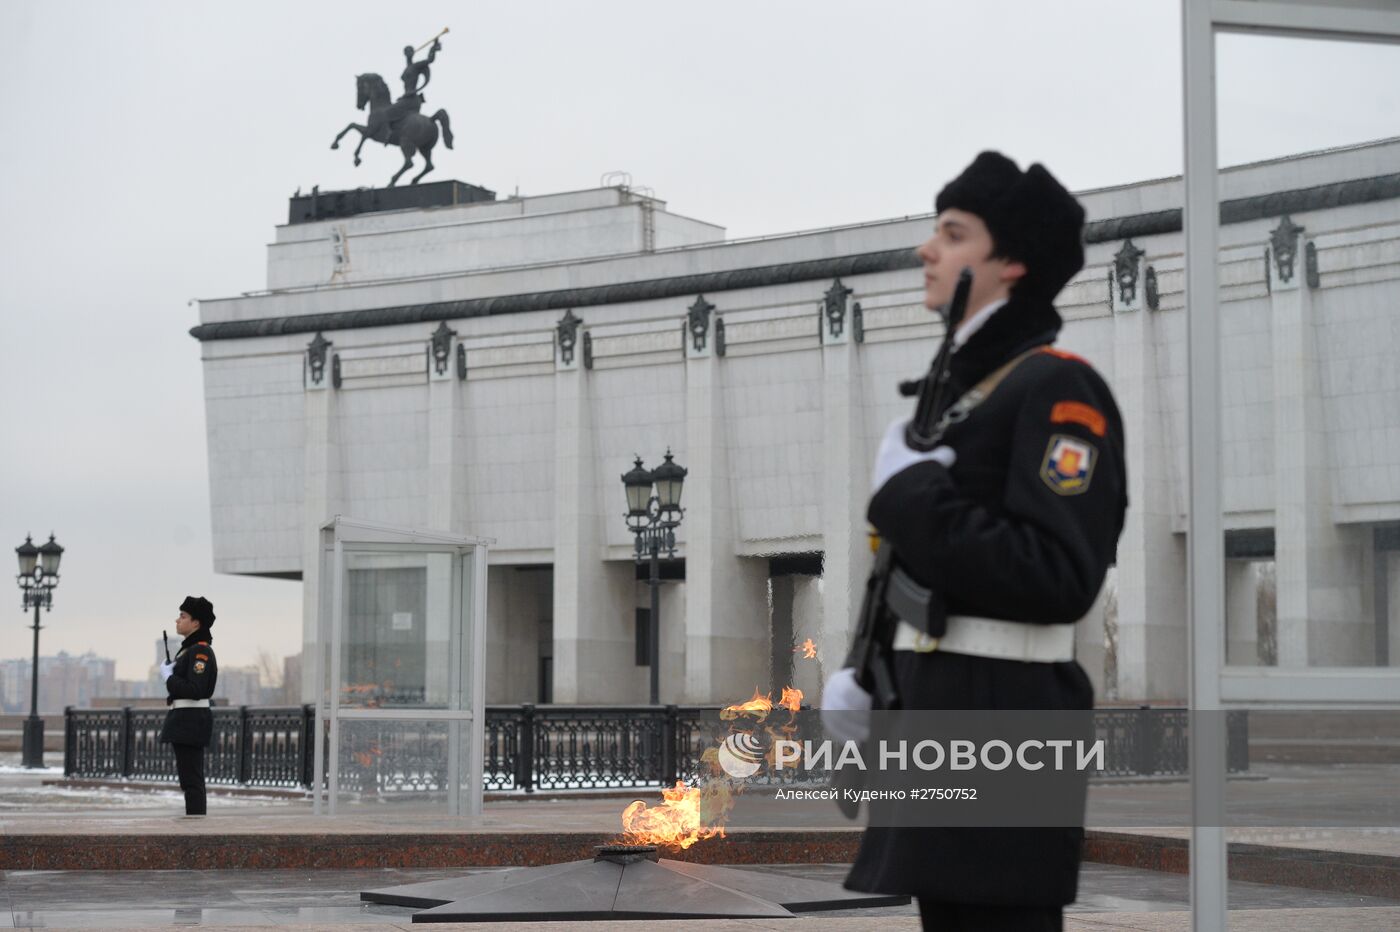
(148, 150)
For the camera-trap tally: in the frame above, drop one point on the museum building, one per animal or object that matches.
(433, 357)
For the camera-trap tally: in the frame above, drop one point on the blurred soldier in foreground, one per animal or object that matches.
(1011, 523)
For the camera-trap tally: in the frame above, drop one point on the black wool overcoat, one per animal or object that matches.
(1022, 528)
(196, 672)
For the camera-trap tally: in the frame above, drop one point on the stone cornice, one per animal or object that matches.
(1239, 210)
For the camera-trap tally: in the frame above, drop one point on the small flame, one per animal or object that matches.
(792, 699)
(809, 650)
(686, 815)
(759, 707)
(366, 757)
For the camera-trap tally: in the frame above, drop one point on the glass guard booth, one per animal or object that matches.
(400, 688)
(1307, 673)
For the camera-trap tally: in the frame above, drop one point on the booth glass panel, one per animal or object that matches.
(397, 630)
(398, 763)
(1309, 404)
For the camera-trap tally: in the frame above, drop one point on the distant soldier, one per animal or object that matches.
(189, 681)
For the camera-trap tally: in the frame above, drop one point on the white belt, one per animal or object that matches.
(191, 703)
(986, 637)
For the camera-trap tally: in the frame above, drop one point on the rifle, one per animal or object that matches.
(870, 654)
(166, 638)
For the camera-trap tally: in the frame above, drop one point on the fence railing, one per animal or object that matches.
(251, 745)
(528, 748)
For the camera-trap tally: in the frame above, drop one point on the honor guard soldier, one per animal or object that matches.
(189, 683)
(1011, 522)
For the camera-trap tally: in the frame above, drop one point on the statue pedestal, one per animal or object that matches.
(326, 205)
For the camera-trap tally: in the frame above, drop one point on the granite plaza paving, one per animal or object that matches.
(1110, 897)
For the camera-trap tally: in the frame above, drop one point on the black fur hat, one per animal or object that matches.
(1031, 217)
(199, 608)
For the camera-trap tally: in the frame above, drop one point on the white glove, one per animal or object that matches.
(846, 707)
(895, 455)
(166, 669)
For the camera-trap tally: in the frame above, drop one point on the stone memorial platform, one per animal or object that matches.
(1363, 862)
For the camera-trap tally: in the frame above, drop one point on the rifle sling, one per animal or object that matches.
(904, 597)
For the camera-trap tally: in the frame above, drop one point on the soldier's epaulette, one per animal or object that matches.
(202, 643)
(1065, 354)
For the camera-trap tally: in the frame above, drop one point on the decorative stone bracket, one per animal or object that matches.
(834, 313)
(566, 340)
(1124, 295)
(317, 356)
(440, 353)
(1283, 246)
(697, 328)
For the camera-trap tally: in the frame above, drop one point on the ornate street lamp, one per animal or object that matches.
(653, 519)
(38, 577)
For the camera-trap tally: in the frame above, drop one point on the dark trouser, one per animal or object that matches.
(966, 917)
(189, 764)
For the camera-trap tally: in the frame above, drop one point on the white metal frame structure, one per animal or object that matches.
(1213, 685)
(465, 710)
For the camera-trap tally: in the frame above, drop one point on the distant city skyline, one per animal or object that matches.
(78, 679)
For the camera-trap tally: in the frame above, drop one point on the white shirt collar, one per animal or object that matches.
(974, 323)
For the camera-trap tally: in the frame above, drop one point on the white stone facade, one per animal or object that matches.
(778, 423)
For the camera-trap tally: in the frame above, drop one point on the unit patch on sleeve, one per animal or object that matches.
(199, 666)
(1069, 464)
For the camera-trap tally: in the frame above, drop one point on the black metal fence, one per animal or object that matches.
(251, 745)
(528, 748)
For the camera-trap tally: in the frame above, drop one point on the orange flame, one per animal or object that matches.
(809, 650)
(366, 757)
(759, 707)
(686, 815)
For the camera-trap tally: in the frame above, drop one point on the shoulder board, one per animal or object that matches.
(202, 643)
(1065, 354)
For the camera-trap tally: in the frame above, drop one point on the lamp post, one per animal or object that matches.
(653, 518)
(38, 577)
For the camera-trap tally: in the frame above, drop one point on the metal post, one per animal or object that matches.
(34, 725)
(1146, 739)
(655, 620)
(1205, 539)
(307, 745)
(245, 747)
(670, 746)
(70, 743)
(128, 740)
(525, 750)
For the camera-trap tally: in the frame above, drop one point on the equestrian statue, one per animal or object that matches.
(400, 123)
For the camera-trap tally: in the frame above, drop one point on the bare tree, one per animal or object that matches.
(269, 669)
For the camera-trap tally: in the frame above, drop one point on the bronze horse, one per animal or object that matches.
(397, 124)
